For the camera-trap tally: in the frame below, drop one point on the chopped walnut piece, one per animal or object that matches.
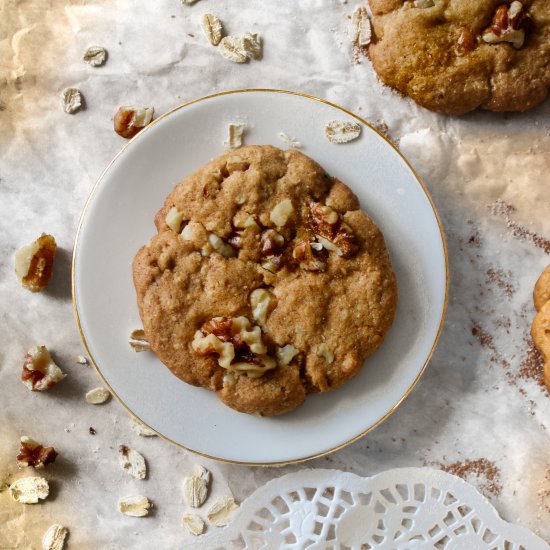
(39, 370)
(129, 121)
(239, 346)
(328, 225)
(324, 351)
(309, 257)
(286, 354)
(261, 301)
(33, 454)
(509, 25)
(138, 341)
(272, 244)
(243, 219)
(221, 247)
(465, 41)
(34, 263)
(281, 212)
(174, 219)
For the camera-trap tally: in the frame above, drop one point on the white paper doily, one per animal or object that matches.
(401, 509)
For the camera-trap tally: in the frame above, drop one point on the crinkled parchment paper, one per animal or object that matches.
(477, 400)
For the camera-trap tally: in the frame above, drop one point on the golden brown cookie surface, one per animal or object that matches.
(540, 330)
(453, 56)
(265, 281)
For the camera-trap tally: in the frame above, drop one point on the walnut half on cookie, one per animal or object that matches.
(540, 330)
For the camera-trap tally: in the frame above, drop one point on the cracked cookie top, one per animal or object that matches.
(265, 281)
(453, 56)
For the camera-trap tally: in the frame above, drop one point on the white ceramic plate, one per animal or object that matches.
(118, 219)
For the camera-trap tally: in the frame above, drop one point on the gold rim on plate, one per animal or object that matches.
(415, 381)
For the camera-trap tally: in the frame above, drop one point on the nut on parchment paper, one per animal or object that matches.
(132, 462)
(39, 370)
(33, 454)
(510, 23)
(129, 121)
(34, 263)
(54, 537)
(29, 490)
(135, 505)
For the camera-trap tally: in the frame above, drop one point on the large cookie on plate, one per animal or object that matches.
(265, 281)
(453, 56)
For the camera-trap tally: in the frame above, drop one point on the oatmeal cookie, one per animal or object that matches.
(540, 330)
(453, 56)
(265, 281)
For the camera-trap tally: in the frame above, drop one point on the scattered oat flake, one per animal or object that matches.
(54, 537)
(95, 56)
(141, 429)
(212, 28)
(289, 141)
(361, 32)
(138, 341)
(193, 523)
(72, 100)
(202, 473)
(252, 43)
(195, 491)
(136, 506)
(81, 360)
(342, 131)
(232, 49)
(29, 490)
(97, 396)
(132, 462)
(221, 512)
(235, 137)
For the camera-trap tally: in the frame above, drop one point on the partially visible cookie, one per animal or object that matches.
(540, 330)
(453, 56)
(265, 282)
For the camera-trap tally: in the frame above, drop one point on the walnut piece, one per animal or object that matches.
(309, 256)
(465, 41)
(174, 219)
(34, 263)
(324, 351)
(509, 25)
(239, 346)
(330, 230)
(221, 247)
(129, 121)
(33, 454)
(54, 537)
(132, 462)
(271, 243)
(39, 370)
(281, 212)
(286, 354)
(95, 56)
(261, 301)
(29, 490)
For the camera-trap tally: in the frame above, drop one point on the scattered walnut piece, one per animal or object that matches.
(252, 44)
(465, 41)
(221, 247)
(510, 23)
(212, 28)
(342, 131)
(72, 100)
(221, 512)
(324, 351)
(39, 370)
(235, 137)
(95, 56)
(281, 212)
(54, 537)
(138, 341)
(330, 230)
(34, 263)
(309, 256)
(286, 354)
(129, 121)
(29, 490)
(361, 32)
(193, 523)
(136, 506)
(33, 454)
(261, 301)
(195, 488)
(239, 346)
(174, 219)
(141, 429)
(97, 396)
(243, 219)
(132, 462)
